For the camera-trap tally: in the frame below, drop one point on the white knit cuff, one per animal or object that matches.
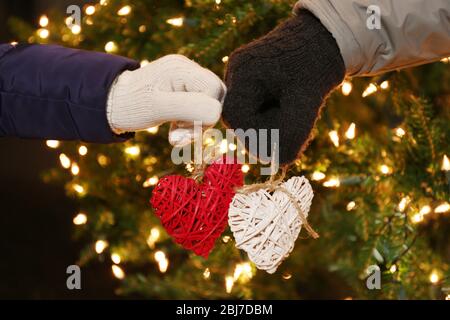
(109, 108)
(128, 105)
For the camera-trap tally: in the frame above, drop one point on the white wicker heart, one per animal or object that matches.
(266, 225)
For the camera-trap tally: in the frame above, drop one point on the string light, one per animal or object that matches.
(176, 22)
(206, 274)
(403, 203)
(209, 141)
(232, 147)
(53, 144)
(425, 210)
(243, 272)
(14, 43)
(124, 11)
(153, 181)
(79, 189)
(142, 28)
(75, 29)
(393, 268)
(287, 276)
(332, 183)
(417, 218)
(118, 272)
(318, 176)
(100, 246)
(103, 2)
(384, 85)
(229, 283)
(133, 151)
(442, 208)
(115, 257)
(351, 205)
(190, 167)
(218, 2)
(68, 21)
(144, 62)
(43, 21)
(163, 262)
(80, 219)
(75, 169)
(346, 88)
(163, 265)
(400, 132)
(153, 237)
(153, 130)
(152, 160)
(43, 33)
(89, 21)
(103, 160)
(245, 168)
(447, 297)
(65, 161)
(385, 169)
(111, 47)
(351, 131)
(224, 146)
(445, 60)
(371, 89)
(225, 59)
(445, 163)
(90, 10)
(226, 239)
(334, 137)
(237, 271)
(434, 277)
(82, 150)
(159, 256)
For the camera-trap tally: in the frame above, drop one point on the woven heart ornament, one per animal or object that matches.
(266, 224)
(195, 214)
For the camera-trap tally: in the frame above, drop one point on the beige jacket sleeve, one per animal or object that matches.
(412, 32)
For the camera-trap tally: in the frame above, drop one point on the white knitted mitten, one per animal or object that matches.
(171, 89)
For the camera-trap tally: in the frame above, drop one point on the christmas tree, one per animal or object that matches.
(378, 165)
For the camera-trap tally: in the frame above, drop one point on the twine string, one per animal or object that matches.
(210, 157)
(272, 184)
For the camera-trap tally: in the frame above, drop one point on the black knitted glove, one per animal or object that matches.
(281, 80)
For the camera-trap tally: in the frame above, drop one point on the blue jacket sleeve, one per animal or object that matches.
(52, 92)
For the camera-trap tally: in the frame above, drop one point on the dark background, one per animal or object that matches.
(36, 244)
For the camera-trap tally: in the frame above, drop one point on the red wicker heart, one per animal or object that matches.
(195, 215)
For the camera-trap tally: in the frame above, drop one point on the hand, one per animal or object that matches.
(171, 89)
(281, 81)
